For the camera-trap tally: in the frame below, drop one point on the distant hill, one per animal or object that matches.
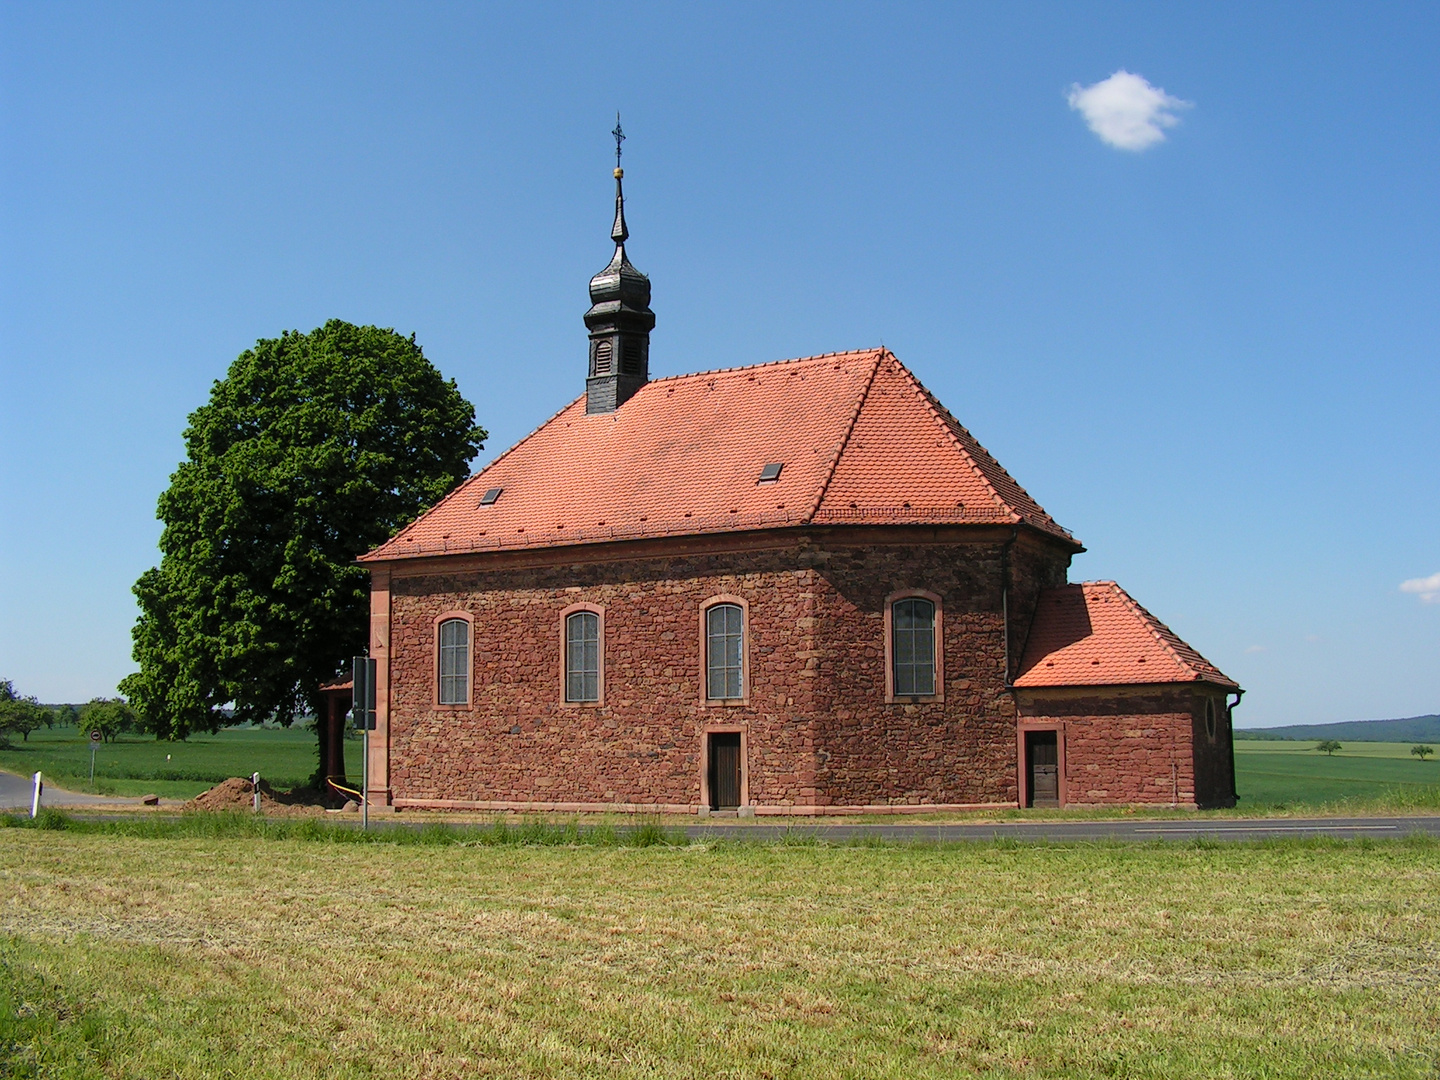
(1413, 729)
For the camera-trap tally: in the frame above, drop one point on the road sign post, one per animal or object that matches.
(362, 709)
(94, 745)
(35, 798)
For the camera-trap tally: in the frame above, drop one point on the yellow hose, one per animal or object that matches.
(343, 788)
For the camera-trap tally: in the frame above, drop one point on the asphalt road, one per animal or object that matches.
(15, 792)
(1108, 829)
(15, 795)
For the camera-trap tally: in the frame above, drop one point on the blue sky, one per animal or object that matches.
(1213, 358)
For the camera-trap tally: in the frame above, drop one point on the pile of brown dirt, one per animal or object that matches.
(238, 793)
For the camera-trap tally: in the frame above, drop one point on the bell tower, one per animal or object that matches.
(619, 319)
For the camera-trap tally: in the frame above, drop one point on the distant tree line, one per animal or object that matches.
(1419, 750)
(1419, 730)
(21, 714)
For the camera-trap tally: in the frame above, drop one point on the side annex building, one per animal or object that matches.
(794, 588)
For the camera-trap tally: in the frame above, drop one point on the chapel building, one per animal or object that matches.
(793, 588)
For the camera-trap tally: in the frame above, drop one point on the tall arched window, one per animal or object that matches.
(454, 662)
(582, 656)
(912, 644)
(724, 652)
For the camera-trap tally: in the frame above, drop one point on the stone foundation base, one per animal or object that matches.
(505, 806)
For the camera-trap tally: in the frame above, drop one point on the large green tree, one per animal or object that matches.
(109, 716)
(313, 449)
(17, 713)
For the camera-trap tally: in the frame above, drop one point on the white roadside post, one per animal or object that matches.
(35, 798)
(255, 783)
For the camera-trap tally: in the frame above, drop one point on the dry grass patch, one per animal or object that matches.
(216, 956)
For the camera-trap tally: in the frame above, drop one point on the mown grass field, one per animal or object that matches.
(240, 954)
(1269, 774)
(139, 764)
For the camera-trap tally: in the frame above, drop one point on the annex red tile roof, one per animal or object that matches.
(1095, 634)
(862, 442)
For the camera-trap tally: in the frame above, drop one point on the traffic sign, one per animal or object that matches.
(95, 735)
(362, 709)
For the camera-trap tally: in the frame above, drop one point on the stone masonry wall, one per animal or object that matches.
(818, 730)
(957, 750)
(1128, 746)
(518, 741)
(1214, 782)
(1129, 759)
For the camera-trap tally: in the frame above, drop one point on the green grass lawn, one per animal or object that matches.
(1289, 774)
(216, 956)
(138, 764)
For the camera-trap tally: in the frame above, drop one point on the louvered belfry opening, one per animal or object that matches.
(603, 356)
(620, 321)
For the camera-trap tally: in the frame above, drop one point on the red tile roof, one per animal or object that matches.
(1094, 634)
(862, 442)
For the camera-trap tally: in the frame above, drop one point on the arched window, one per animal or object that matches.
(454, 662)
(912, 645)
(1210, 718)
(582, 656)
(724, 652)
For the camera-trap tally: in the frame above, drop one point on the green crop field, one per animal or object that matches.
(138, 764)
(135, 954)
(1269, 774)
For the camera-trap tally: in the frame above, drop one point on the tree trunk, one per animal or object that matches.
(330, 729)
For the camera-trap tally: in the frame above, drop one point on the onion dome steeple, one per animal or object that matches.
(619, 319)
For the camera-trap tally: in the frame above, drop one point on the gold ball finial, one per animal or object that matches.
(619, 174)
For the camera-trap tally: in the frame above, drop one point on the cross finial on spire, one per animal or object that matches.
(619, 233)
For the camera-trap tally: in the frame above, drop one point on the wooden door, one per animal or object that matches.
(725, 770)
(1042, 750)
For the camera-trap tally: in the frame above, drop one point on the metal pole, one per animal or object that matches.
(362, 702)
(35, 798)
(92, 763)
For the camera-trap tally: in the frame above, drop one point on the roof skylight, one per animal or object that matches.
(771, 472)
(490, 496)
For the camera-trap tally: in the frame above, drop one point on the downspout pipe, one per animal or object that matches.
(1005, 597)
(1230, 707)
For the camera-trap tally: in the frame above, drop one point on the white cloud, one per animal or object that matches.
(1255, 648)
(1428, 588)
(1126, 111)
